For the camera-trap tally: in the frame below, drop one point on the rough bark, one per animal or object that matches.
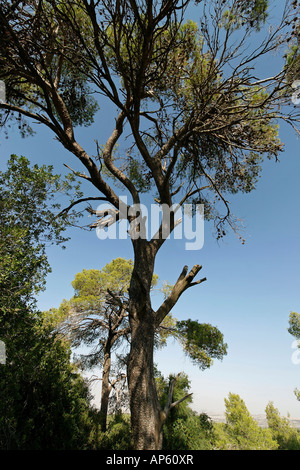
(105, 391)
(144, 404)
(147, 416)
(113, 334)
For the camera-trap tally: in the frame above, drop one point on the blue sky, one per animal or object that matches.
(249, 292)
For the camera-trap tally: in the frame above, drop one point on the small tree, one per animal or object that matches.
(283, 432)
(183, 429)
(241, 431)
(97, 317)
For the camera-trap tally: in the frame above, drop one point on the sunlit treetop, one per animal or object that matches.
(197, 117)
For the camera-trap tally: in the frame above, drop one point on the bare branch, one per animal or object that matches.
(169, 404)
(183, 282)
(79, 201)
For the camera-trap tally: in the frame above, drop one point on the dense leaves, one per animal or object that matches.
(95, 316)
(241, 431)
(44, 401)
(184, 429)
(28, 209)
(294, 324)
(283, 432)
(201, 341)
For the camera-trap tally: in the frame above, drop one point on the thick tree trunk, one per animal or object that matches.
(105, 391)
(144, 405)
(147, 417)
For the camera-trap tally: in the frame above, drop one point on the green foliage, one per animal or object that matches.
(44, 401)
(241, 431)
(181, 389)
(53, 39)
(115, 276)
(91, 316)
(184, 429)
(294, 324)
(201, 341)
(28, 208)
(283, 432)
(253, 12)
(118, 434)
(188, 433)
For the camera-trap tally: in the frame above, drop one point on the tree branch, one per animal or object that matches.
(183, 282)
(107, 157)
(84, 199)
(169, 404)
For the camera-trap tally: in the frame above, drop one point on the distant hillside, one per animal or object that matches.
(261, 419)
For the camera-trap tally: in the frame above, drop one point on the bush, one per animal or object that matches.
(118, 434)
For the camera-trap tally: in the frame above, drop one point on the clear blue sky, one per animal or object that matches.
(249, 292)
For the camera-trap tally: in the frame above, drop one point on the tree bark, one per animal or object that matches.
(147, 416)
(144, 403)
(105, 391)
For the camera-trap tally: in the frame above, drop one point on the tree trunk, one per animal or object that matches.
(105, 391)
(144, 405)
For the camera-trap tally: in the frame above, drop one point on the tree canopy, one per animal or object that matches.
(194, 111)
(29, 205)
(282, 431)
(241, 431)
(45, 403)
